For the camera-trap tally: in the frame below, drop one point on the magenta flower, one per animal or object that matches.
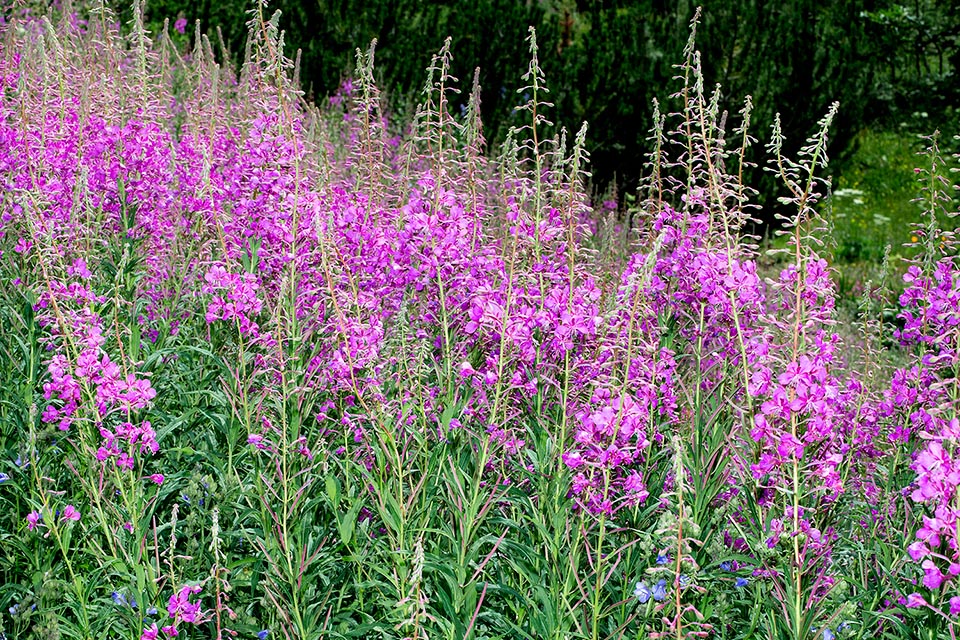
(125, 461)
(156, 478)
(33, 519)
(257, 440)
(936, 474)
(915, 600)
(764, 466)
(22, 246)
(150, 633)
(180, 25)
(180, 608)
(71, 513)
(955, 605)
(918, 550)
(79, 269)
(932, 576)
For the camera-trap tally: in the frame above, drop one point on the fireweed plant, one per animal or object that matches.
(280, 369)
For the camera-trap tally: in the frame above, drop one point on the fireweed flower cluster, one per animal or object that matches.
(770, 344)
(180, 609)
(93, 377)
(366, 298)
(234, 298)
(914, 405)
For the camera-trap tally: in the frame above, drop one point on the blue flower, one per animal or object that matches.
(828, 635)
(726, 566)
(118, 598)
(663, 558)
(152, 611)
(262, 635)
(741, 583)
(642, 592)
(660, 590)
(4, 477)
(684, 580)
(14, 609)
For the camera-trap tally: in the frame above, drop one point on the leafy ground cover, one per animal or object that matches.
(276, 369)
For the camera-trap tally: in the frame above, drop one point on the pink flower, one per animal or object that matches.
(170, 631)
(918, 550)
(157, 478)
(33, 519)
(932, 576)
(22, 246)
(764, 466)
(80, 269)
(930, 531)
(936, 475)
(71, 513)
(572, 459)
(151, 633)
(124, 461)
(915, 600)
(179, 606)
(180, 25)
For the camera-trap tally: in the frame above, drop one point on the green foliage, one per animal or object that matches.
(428, 526)
(607, 61)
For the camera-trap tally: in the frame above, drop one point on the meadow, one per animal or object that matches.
(279, 369)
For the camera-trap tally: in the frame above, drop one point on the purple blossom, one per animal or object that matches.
(180, 607)
(71, 513)
(642, 592)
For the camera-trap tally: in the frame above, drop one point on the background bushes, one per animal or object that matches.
(606, 60)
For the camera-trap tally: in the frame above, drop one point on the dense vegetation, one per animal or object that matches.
(883, 60)
(271, 368)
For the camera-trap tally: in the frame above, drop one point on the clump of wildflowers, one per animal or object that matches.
(405, 372)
